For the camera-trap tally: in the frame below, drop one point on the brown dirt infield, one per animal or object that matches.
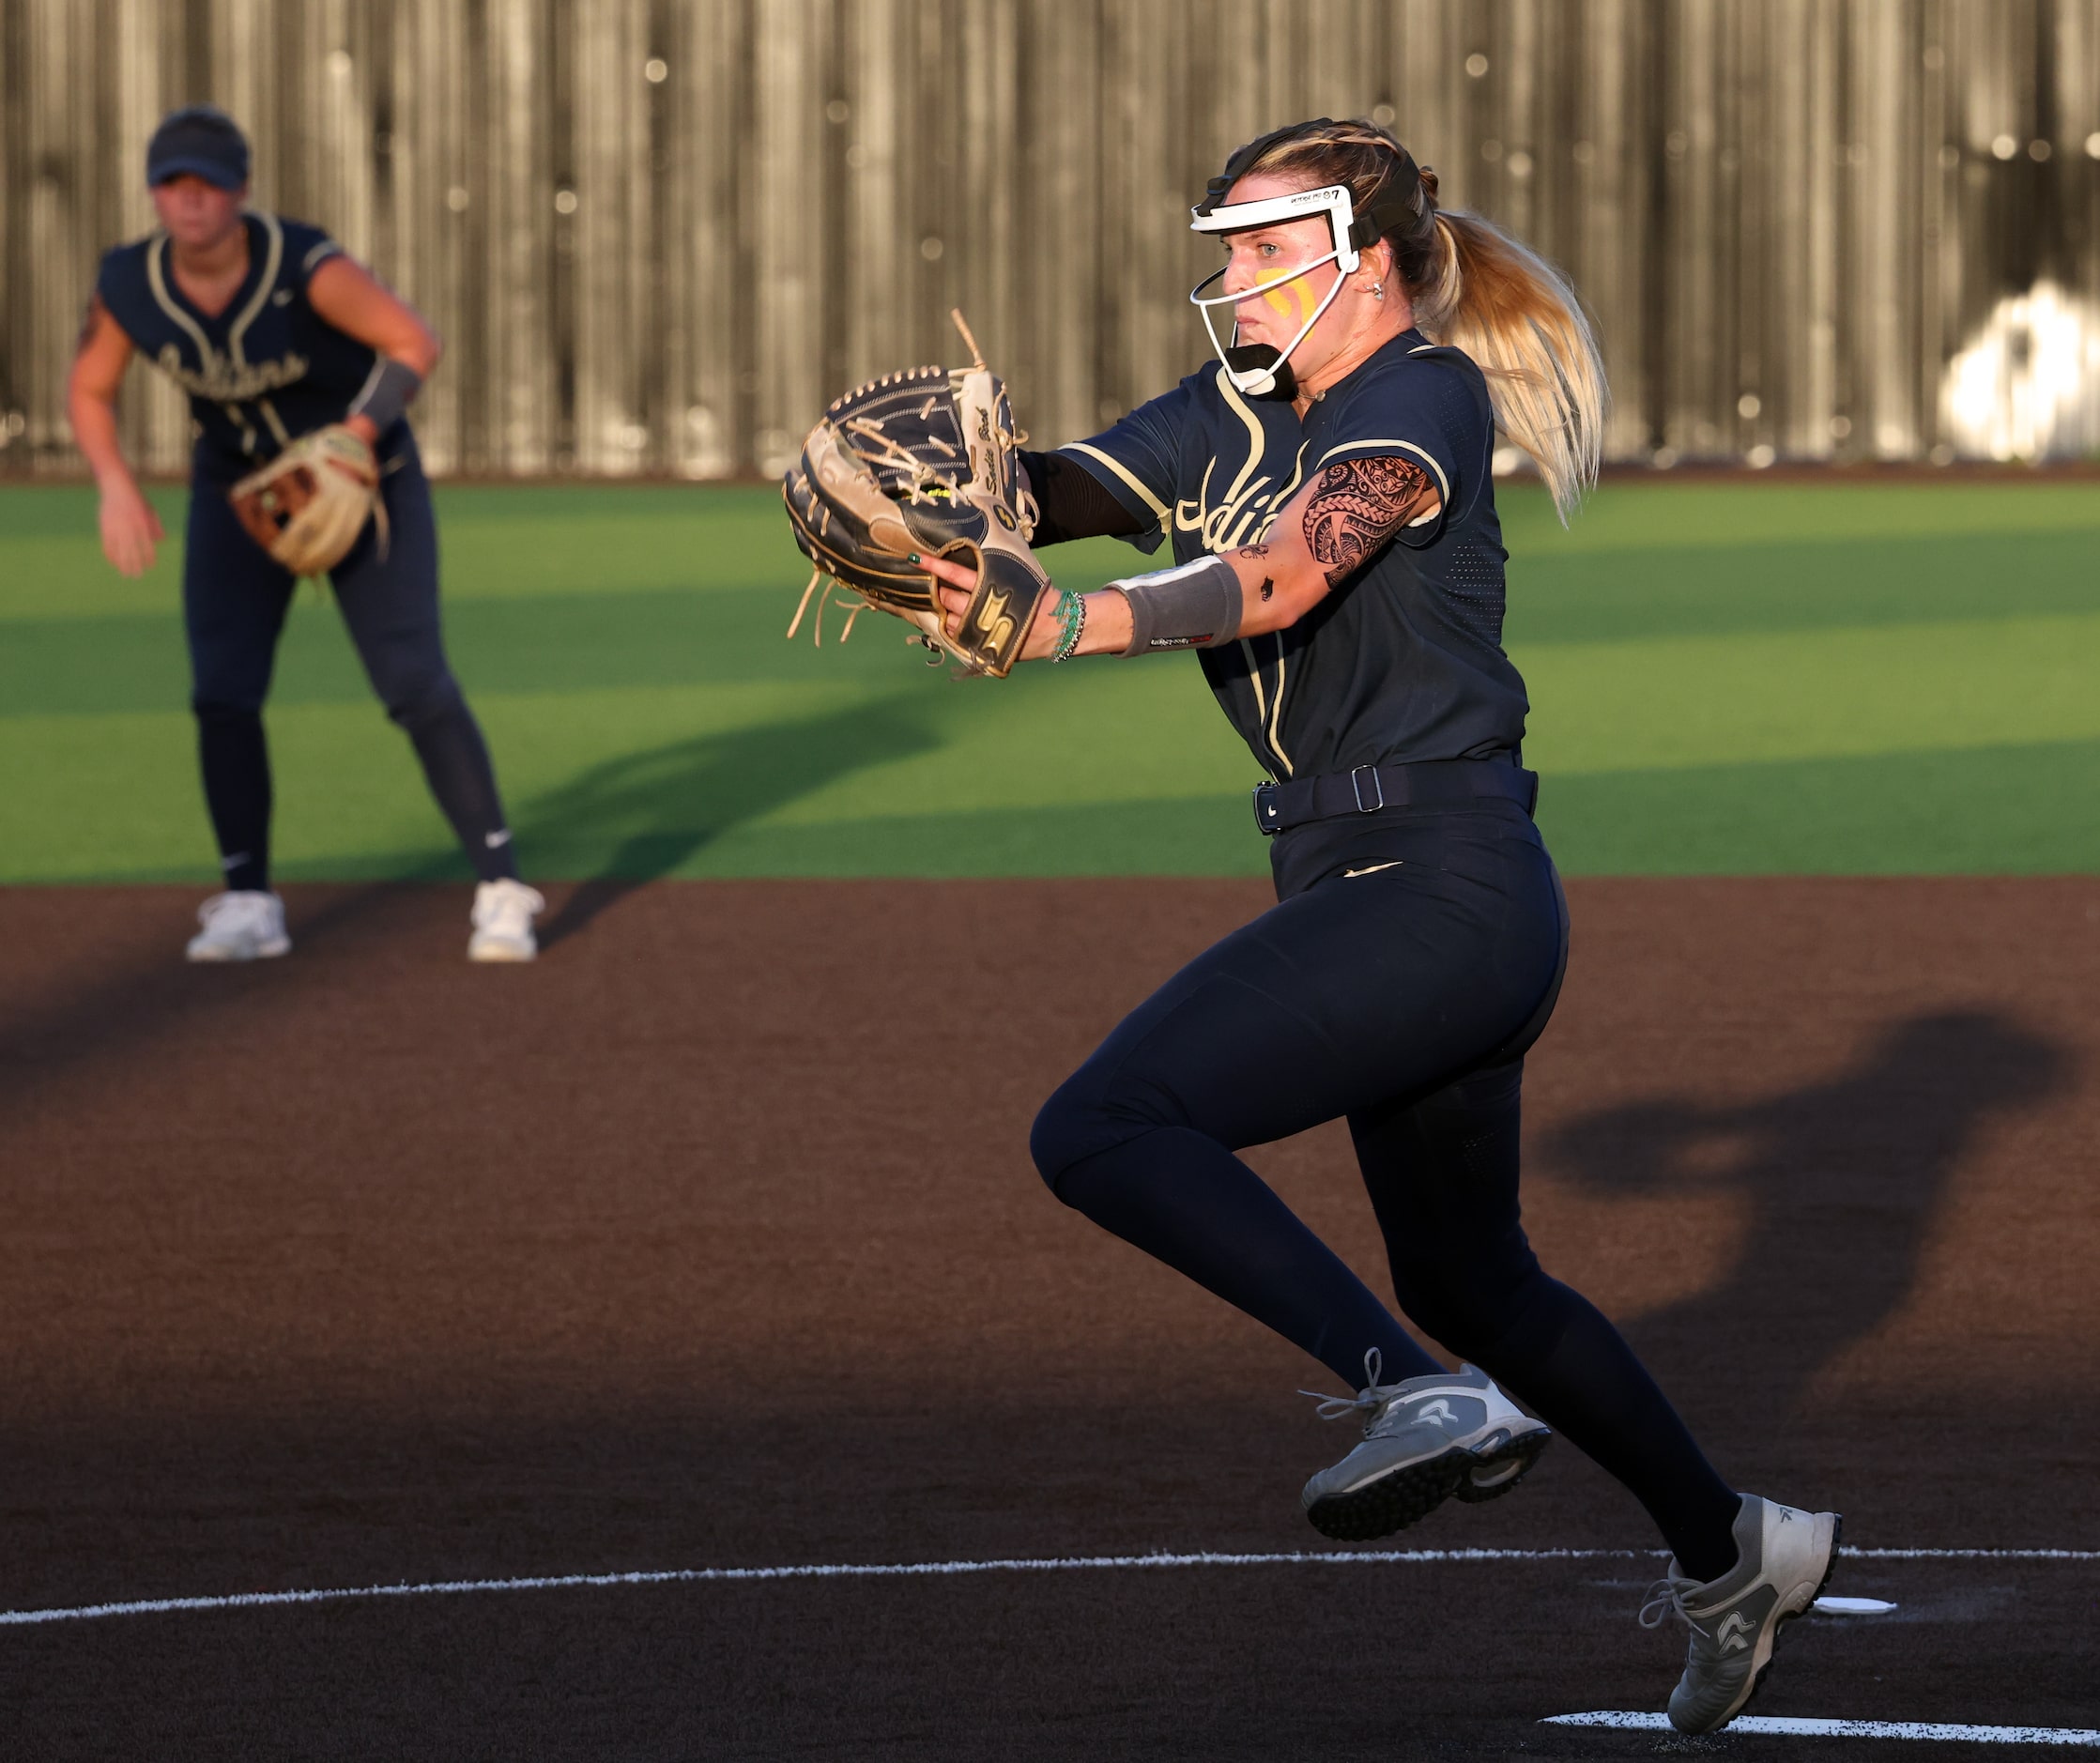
(369, 1266)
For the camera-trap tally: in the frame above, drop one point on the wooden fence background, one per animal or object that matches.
(659, 233)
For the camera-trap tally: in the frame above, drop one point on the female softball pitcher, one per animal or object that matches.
(1340, 568)
(276, 334)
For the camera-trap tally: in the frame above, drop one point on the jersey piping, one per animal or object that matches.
(239, 330)
(273, 257)
(157, 280)
(1254, 678)
(1257, 442)
(1276, 714)
(1123, 471)
(1248, 509)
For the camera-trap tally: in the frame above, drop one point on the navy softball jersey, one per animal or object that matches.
(1403, 661)
(1413, 955)
(262, 371)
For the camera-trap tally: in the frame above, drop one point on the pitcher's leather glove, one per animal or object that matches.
(922, 462)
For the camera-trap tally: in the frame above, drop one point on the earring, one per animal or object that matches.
(1377, 290)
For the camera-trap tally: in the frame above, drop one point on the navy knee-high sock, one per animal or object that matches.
(1186, 1201)
(1566, 1361)
(456, 765)
(1443, 1175)
(235, 760)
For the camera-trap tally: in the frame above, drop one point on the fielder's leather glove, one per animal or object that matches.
(924, 462)
(307, 506)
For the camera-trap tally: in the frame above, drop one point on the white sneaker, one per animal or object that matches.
(1784, 1560)
(503, 922)
(246, 925)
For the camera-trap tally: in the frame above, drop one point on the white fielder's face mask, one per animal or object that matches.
(1249, 367)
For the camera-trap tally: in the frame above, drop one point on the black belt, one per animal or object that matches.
(1330, 796)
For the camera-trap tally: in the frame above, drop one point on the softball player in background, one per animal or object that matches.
(275, 332)
(1327, 489)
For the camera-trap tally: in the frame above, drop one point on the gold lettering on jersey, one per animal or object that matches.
(224, 381)
(1243, 518)
(1247, 508)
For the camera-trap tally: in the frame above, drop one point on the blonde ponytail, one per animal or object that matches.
(1474, 288)
(1519, 319)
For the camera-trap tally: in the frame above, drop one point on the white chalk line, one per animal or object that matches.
(1970, 1555)
(1791, 1726)
(930, 1570)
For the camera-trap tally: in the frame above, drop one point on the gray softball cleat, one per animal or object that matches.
(1424, 1440)
(1784, 1562)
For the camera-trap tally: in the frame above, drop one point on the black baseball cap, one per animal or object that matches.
(200, 140)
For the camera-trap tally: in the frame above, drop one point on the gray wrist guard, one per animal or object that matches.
(384, 395)
(1194, 607)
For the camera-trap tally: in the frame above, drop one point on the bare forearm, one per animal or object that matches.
(1108, 625)
(129, 527)
(1279, 583)
(93, 420)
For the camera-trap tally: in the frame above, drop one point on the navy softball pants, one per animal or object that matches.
(1398, 990)
(234, 602)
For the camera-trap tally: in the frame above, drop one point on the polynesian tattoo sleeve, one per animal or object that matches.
(1356, 506)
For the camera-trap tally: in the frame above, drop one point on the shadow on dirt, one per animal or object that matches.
(641, 816)
(1842, 1180)
(623, 824)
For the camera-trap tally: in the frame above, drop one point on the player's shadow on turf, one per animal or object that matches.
(1841, 1181)
(652, 812)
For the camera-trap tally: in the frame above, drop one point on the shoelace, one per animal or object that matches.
(1666, 1598)
(1372, 1397)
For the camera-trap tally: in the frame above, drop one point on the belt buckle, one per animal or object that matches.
(1355, 785)
(1265, 809)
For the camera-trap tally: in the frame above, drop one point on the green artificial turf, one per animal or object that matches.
(1750, 678)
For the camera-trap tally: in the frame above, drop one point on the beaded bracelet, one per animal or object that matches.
(1064, 624)
(1071, 618)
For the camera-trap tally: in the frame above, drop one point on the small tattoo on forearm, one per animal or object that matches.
(1360, 503)
(1254, 554)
